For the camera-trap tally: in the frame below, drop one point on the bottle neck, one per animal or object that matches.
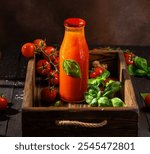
(74, 30)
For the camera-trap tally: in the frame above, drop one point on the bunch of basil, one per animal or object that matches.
(140, 67)
(96, 97)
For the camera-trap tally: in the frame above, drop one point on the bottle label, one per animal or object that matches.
(72, 68)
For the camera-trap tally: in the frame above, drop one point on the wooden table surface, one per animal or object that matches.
(12, 76)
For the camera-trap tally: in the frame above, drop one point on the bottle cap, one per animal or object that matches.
(74, 22)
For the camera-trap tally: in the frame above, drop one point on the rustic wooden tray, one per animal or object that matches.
(80, 119)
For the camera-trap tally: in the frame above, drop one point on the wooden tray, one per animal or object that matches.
(80, 119)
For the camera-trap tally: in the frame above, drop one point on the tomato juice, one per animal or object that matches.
(74, 62)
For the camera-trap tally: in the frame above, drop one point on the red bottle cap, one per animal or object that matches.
(74, 22)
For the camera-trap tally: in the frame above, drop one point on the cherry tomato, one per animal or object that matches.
(43, 67)
(53, 77)
(56, 61)
(93, 74)
(28, 50)
(53, 73)
(39, 43)
(128, 57)
(54, 81)
(3, 103)
(99, 70)
(48, 94)
(50, 52)
(147, 100)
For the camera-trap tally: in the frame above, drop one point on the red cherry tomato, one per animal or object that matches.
(53, 73)
(147, 100)
(50, 52)
(93, 75)
(54, 81)
(28, 50)
(3, 103)
(56, 61)
(39, 43)
(128, 57)
(43, 67)
(53, 77)
(48, 94)
(99, 70)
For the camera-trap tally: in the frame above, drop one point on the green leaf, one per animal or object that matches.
(108, 93)
(95, 81)
(99, 80)
(141, 63)
(140, 72)
(93, 87)
(94, 102)
(148, 72)
(88, 98)
(92, 92)
(104, 101)
(131, 69)
(104, 75)
(117, 102)
(143, 95)
(58, 103)
(111, 89)
(72, 68)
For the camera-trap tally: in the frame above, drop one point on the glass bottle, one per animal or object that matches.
(74, 62)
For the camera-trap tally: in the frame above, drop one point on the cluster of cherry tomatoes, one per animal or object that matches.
(129, 57)
(47, 66)
(97, 71)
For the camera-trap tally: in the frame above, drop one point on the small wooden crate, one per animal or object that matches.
(80, 119)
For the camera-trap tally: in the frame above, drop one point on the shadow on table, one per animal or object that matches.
(7, 113)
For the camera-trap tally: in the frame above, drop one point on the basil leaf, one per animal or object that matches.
(140, 72)
(141, 63)
(88, 98)
(131, 69)
(99, 80)
(94, 81)
(117, 102)
(104, 101)
(108, 93)
(104, 75)
(111, 89)
(94, 102)
(72, 68)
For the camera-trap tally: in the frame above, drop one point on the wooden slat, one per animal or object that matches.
(28, 91)
(143, 124)
(14, 124)
(4, 115)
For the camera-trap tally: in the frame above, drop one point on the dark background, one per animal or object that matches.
(109, 22)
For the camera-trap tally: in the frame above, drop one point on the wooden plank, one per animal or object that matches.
(143, 124)
(14, 124)
(28, 91)
(4, 116)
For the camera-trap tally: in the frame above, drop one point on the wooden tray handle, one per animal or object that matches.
(80, 124)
